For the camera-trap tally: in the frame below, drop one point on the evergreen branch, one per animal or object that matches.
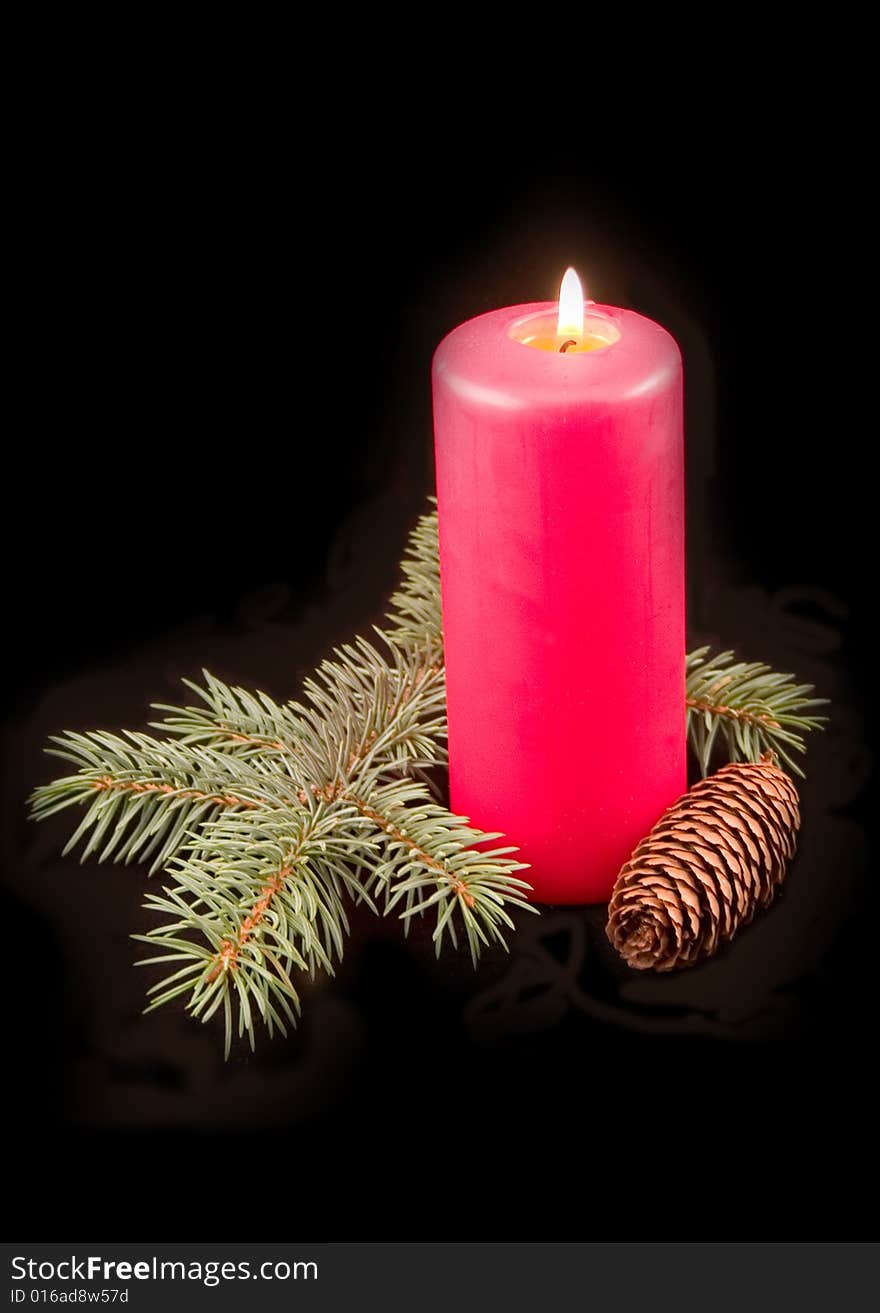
(145, 797)
(751, 707)
(261, 900)
(264, 895)
(429, 859)
(372, 704)
(374, 709)
(231, 719)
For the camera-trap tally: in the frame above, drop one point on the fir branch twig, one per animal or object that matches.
(750, 707)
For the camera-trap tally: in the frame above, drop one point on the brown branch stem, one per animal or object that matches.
(227, 954)
(107, 784)
(260, 740)
(458, 886)
(733, 713)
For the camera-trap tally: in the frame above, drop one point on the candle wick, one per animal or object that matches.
(572, 341)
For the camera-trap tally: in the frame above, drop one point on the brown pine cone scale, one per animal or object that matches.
(712, 860)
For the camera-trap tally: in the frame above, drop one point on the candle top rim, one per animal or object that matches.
(481, 359)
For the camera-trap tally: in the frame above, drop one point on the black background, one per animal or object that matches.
(224, 436)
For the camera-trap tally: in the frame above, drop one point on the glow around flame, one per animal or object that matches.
(571, 304)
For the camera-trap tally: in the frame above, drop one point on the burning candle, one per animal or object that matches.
(558, 437)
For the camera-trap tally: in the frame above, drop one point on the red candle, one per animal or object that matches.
(558, 435)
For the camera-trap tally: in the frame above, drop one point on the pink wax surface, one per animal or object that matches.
(560, 487)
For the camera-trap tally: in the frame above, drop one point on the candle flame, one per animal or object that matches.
(571, 304)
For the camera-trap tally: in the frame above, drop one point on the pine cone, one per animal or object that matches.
(713, 859)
